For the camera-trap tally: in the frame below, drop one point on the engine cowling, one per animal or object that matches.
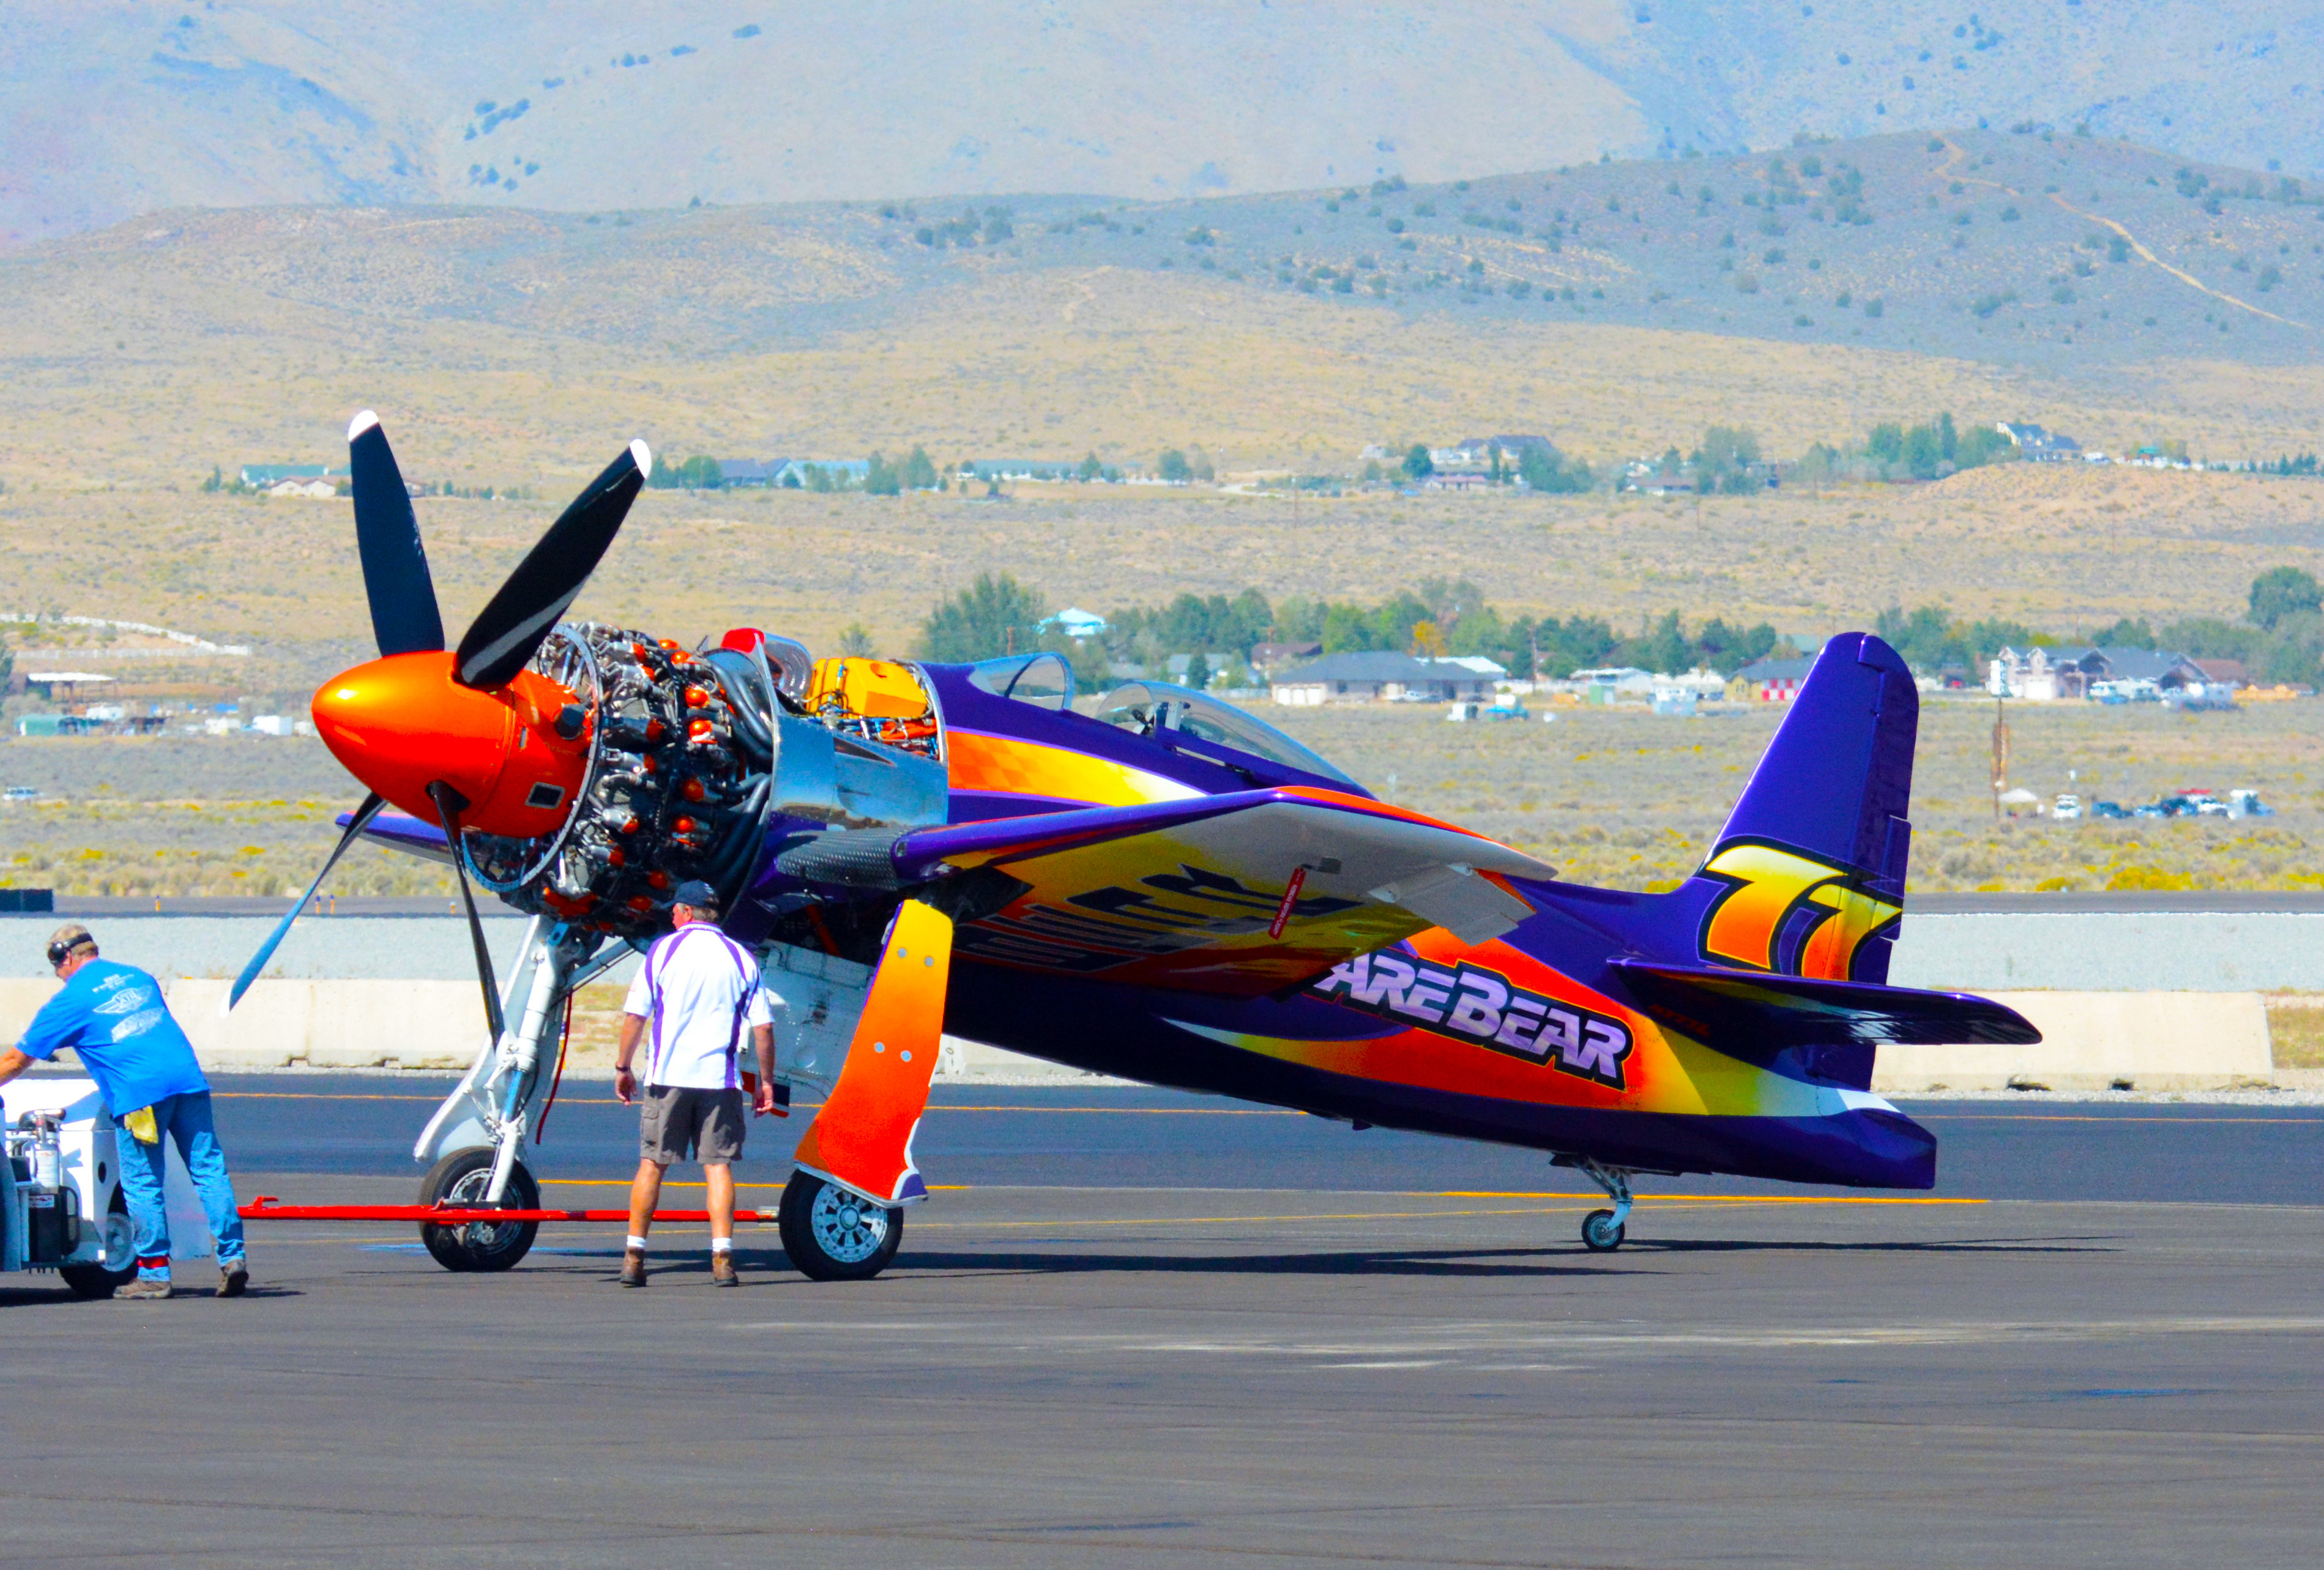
(693, 761)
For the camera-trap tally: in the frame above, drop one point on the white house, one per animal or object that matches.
(1075, 622)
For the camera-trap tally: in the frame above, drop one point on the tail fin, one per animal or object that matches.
(1807, 876)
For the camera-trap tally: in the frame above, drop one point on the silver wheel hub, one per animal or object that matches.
(468, 1193)
(845, 1227)
(120, 1243)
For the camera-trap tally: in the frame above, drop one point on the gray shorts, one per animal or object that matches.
(675, 1121)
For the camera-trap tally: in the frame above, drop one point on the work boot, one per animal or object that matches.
(234, 1278)
(721, 1270)
(145, 1289)
(633, 1267)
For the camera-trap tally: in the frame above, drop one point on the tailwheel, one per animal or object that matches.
(1601, 1233)
(463, 1178)
(834, 1235)
(1602, 1230)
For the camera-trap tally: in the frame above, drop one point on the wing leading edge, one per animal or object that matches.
(1240, 894)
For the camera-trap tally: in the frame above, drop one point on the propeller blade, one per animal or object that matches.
(448, 805)
(362, 814)
(507, 632)
(404, 613)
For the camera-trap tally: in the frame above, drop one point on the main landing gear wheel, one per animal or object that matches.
(461, 1179)
(1601, 1233)
(834, 1235)
(118, 1267)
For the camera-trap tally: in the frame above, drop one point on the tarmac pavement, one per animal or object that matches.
(1056, 1376)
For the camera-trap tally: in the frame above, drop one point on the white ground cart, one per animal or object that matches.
(62, 1207)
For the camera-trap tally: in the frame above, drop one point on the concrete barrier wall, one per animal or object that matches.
(2079, 951)
(415, 1025)
(2091, 1040)
(2186, 951)
(2165, 1000)
(318, 948)
(2159, 1041)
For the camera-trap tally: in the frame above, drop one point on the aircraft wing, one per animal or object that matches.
(1789, 1011)
(402, 831)
(1240, 894)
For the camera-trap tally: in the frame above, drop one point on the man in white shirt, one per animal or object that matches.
(697, 992)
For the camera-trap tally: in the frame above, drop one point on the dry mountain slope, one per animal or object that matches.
(1596, 305)
(134, 107)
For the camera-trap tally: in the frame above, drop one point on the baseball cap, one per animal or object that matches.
(693, 891)
(72, 935)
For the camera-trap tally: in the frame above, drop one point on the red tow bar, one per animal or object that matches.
(266, 1207)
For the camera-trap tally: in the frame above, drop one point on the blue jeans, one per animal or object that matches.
(185, 1119)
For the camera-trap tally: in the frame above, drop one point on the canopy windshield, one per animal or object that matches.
(1158, 708)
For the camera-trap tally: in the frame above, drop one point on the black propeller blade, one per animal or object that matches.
(448, 807)
(364, 815)
(507, 632)
(404, 613)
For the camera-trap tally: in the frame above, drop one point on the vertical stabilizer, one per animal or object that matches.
(1807, 876)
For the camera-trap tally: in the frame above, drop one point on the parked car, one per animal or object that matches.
(2247, 803)
(2212, 809)
(2176, 807)
(2068, 805)
(21, 793)
(2108, 810)
(2150, 809)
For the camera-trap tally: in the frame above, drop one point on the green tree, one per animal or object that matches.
(2294, 651)
(1724, 460)
(2209, 638)
(2124, 633)
(855, 640)
(1348, 629)
(1923, 451)
(919, 472)
(1418, 463)
(881, 479)
(990, 617)
(1198, 673)
(2283, 591)
(216, 482)
(1980, 445)
(7, 664)
(1172, 465)
(1091, 469)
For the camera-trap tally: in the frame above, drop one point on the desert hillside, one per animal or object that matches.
(117, 111)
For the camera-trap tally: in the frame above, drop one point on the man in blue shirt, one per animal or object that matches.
(113, 1016)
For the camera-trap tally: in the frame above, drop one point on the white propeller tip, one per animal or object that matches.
(361, 423)
(642, 455)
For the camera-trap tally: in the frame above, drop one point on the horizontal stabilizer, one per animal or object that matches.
(1773, 1012)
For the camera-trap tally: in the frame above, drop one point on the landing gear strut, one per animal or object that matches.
(1601, 1230)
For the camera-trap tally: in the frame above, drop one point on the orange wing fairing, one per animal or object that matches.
(861, 1138)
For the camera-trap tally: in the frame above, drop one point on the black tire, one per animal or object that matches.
(1600, 1235)
(462, 1178)
(833, 1235)
(97, 1280)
